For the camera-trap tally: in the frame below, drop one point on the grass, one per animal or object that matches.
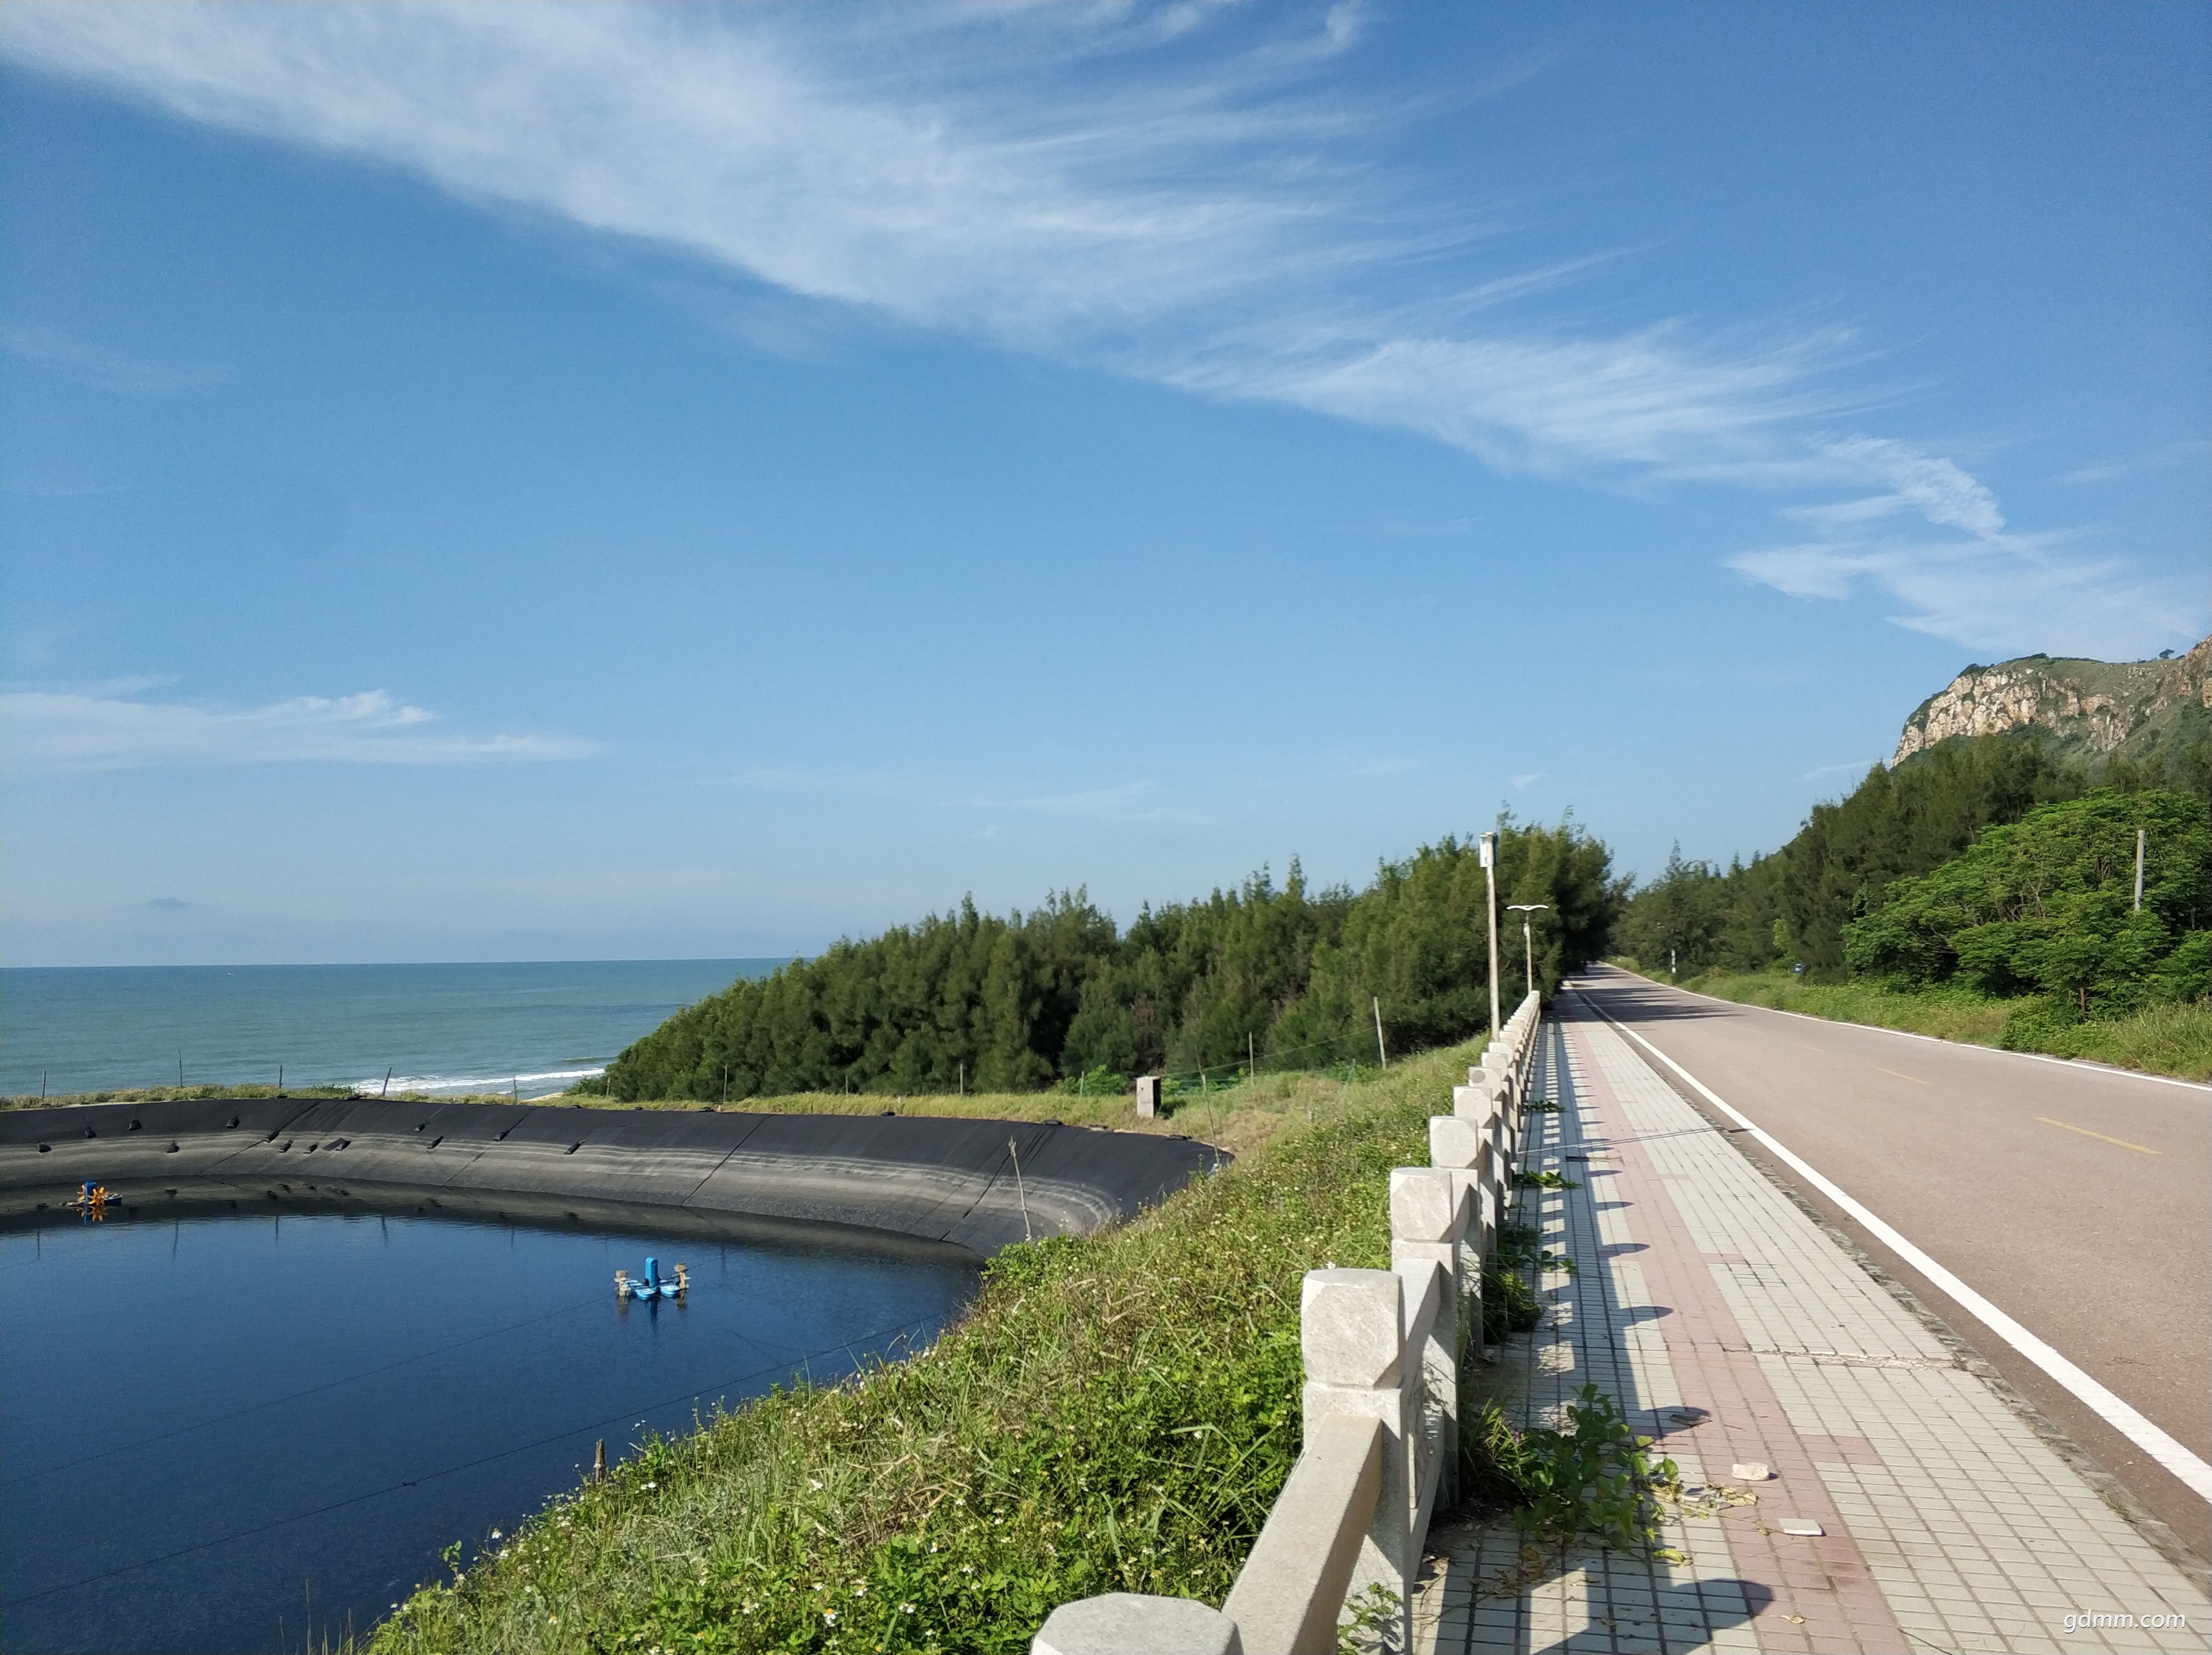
(1116, 1413)
(1239, 1116)
(2173, 1040)
(170, 1094)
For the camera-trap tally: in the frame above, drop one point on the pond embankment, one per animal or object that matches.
(979, 1184)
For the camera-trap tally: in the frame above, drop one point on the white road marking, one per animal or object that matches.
(2121, 1415)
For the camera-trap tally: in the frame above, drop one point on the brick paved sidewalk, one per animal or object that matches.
(1731, 1327)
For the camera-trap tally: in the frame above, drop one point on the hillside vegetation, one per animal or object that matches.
(1981, 891)
(1286, 976)
(2047, 906)
(1794, 905)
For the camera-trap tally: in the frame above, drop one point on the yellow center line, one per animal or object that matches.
(2099, 1136)
(1915, 1079)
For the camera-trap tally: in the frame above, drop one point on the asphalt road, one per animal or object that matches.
(2078, 1200)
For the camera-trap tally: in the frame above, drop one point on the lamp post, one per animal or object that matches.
(1529, 936)
(1489, 850)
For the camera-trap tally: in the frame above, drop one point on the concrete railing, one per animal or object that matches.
(1382, 1350)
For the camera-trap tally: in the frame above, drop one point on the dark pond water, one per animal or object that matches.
(218, 1433)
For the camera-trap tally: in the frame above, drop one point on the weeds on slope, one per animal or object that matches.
(1239, 1114)
(176, 1094)
(1113, 1414)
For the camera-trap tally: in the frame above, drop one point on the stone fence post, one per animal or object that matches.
(1127, 1623)
(1459, 1146)
(1429, 1214)
(1352, 1336)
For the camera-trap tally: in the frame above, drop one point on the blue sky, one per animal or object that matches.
(541, 481)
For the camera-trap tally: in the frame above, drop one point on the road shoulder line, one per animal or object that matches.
(2116, 1412)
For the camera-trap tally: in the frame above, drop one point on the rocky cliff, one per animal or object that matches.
(2093, 709)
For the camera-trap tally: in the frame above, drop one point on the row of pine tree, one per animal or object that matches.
(1280, 977)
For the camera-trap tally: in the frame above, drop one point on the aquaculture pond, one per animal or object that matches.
(237, 1431)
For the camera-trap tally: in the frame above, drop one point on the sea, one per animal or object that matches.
(529, 1029)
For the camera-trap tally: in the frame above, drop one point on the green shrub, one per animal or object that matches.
(1510, 1304)
(2046, 905)
(1592, 1478)
(1100, 1082)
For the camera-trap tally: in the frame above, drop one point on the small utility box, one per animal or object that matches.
(1148, 1096)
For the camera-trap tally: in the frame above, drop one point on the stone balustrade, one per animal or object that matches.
(1381, 1351)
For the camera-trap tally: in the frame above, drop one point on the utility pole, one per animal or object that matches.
(1526, 909)
(2140, 842)
(1490, 882)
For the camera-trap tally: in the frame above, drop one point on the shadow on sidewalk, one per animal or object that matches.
(1487, 1589)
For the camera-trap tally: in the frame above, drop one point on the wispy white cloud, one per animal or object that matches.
(1350, 764)
(2005, 594)
(1076, 179)
(1176, 191)
(2189, 451)
(1857, 766)
(110, 369)
(69, 730)
(873, 784)
(1927, 483)
(1528, 402)
(1973, 581)
(1128, 801)
(859, 167)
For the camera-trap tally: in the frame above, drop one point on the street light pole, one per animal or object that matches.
(1526, 910)
(1490, 882)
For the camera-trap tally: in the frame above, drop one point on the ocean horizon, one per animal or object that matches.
(534, 1028)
